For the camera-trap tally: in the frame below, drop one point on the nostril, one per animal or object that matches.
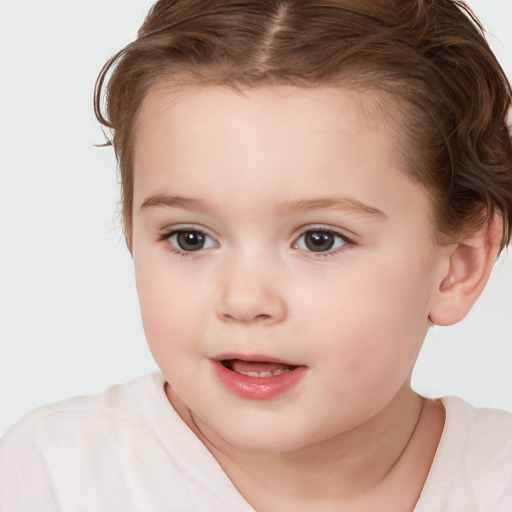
(263, 317)
(244, 318)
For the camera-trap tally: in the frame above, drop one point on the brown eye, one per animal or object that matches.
(190, 240)
(320, 241)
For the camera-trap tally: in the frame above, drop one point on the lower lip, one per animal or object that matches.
(258, 388)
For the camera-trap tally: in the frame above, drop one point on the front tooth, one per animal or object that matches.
(268, 373)
(258, 374)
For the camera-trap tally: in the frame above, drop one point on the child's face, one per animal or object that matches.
(279, 226)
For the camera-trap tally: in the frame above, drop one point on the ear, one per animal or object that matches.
(468, 266)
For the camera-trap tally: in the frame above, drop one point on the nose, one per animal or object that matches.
(250, 292)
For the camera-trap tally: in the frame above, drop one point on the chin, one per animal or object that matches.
(272, 438)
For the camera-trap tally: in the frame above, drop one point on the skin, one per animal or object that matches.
(351, 434)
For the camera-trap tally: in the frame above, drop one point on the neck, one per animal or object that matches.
(347, 468)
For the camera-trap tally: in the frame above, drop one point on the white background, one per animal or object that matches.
(69, 319)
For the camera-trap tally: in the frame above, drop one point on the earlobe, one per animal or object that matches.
(469, 264)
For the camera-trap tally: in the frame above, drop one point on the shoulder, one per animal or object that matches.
(57, 447)
(472, 469)
(484, 432)
(73, 423)
(115, 404)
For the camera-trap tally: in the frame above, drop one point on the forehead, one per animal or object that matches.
(210, 116)
(273, 143)
(328, 107)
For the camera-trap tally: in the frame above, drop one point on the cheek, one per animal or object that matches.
(170, 309)
(372, 320)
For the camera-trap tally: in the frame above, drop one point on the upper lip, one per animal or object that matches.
(262, 358)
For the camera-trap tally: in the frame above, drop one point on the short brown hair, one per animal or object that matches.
(431, 56)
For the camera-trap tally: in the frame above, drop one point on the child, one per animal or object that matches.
(307, 188)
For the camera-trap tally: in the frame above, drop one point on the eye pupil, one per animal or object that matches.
(319, 241)
(190, 240)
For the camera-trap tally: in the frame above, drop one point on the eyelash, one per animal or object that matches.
(165, 236)
(347, 242)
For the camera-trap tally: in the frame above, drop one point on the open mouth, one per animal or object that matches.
(257, 368)
(257, 377)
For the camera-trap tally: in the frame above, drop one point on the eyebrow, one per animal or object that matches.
(187, 203)
(287, 208)
(347, 204)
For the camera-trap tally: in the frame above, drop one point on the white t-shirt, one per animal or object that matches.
(126, 450)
